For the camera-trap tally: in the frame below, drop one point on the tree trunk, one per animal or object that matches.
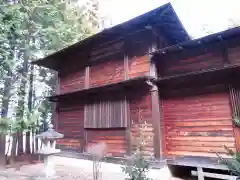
(14, 146)
(30, 103)
(4, 113)
(21, 101)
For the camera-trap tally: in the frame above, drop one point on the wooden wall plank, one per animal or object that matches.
(71, 124)
(107, 72)
(72, 82)
(234, 55)
(141, 114)
(113, 138)
(198, 124)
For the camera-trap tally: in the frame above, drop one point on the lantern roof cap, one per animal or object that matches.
(50, 134)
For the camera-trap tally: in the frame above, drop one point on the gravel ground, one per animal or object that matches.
(75, 169)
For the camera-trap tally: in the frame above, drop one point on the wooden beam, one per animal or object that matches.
(224, 53)
(199, 173)
(86, 86)
(158, 153)
(55, 110)
(84, 148)
(128, 130)
(202, 174)
(87, 78)
(126, 68)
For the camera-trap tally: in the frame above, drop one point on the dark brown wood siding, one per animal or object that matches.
(107, 72)
(71, 124)
(234, 55)
(113, 138)
(140, 113)
(138, 60)
(180, 64)
(198, 125)
(72, 82)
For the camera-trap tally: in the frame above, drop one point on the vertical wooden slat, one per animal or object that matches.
(105, 114)
(87, 76)
(55, 106)
(126, 69)
(235, 103)
(86, 107)
(128, 129)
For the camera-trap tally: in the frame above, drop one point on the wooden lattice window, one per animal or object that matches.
(106, 114)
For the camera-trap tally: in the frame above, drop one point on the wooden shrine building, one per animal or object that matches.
(148, 71)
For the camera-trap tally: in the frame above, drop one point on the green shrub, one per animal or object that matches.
(232, 163)
(137, 167)
(138, 164)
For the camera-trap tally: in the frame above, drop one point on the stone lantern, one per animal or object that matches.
(48, 139)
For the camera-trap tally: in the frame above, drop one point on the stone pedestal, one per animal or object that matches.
(48, 149)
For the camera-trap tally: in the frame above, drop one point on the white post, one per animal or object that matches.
(49, 168)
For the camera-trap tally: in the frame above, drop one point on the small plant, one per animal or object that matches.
(137, 164)
(137, 167)
(98, 152)
(232, 163)
(236, 121)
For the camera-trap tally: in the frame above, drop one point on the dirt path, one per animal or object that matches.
(75, 169)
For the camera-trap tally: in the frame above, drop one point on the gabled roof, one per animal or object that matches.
(163, 18)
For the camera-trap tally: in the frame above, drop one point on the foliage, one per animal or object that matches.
(32, 29)
(9, 126)
(138, 164)
(232, 163)
(4, 126)
(137, 168)
(236, 121)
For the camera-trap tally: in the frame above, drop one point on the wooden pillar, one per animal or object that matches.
(87, 78)
(156, 118)
(86, 86)
(156, 122)
(128, 134)
(127, 109)
(224, 54)
(56, 105)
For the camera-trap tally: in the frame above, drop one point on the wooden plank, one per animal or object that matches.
(200, 123)
(213, 175)
(126, 69)
(200, 138)
(128, 130)
(197, 144)
(190, 148)
(200, 154)
(87, 77)
(200, 174)
(200, 128)
(215, 133)
(193, 161)
(156, 123)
